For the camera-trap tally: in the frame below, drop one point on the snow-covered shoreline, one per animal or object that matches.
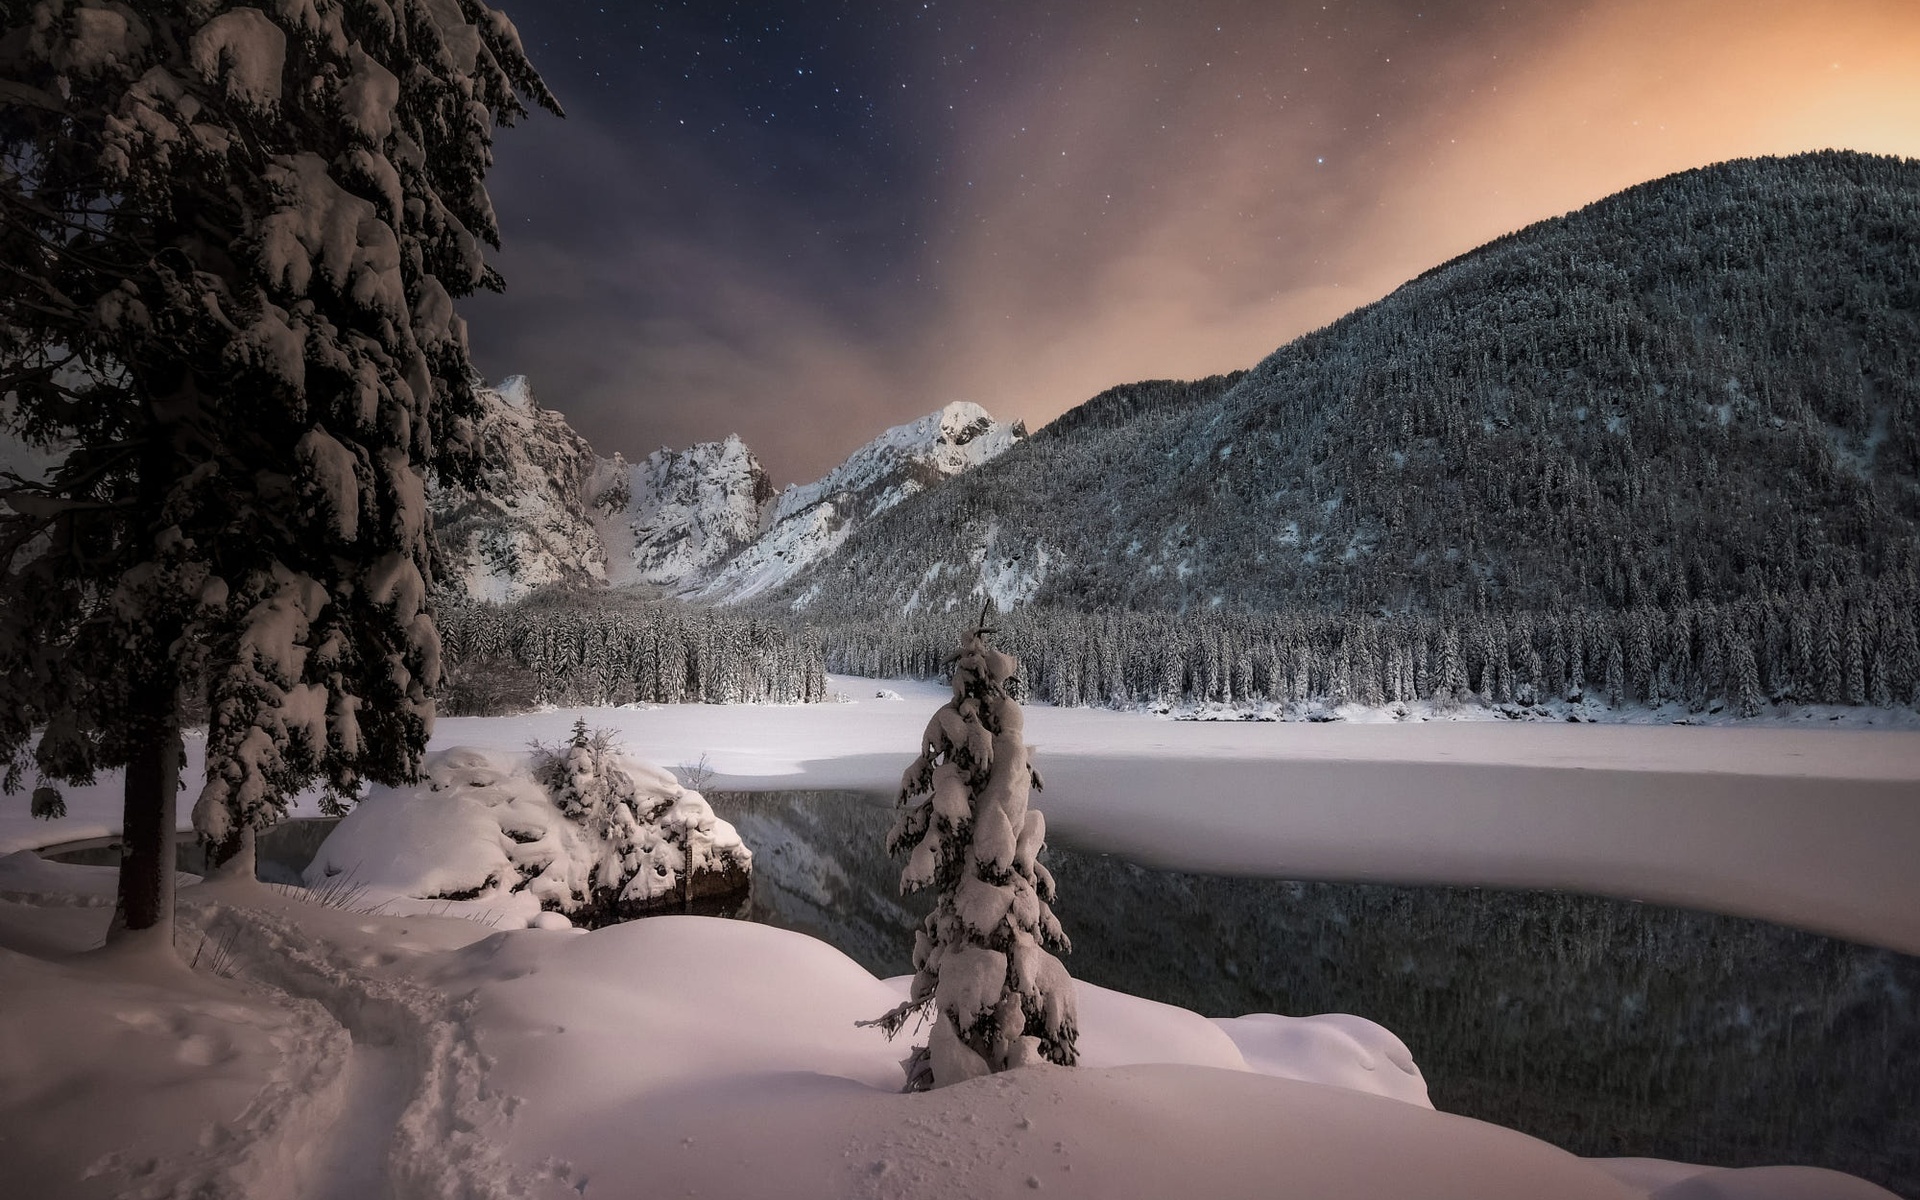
(1815, 827)
(681, 1054)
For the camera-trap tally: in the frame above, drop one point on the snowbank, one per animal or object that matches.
(361, 1054)
(1659, 1179)
(129, 1077)
(25, 874)
(481, 837)
(685, 1054)
(1337, 1048)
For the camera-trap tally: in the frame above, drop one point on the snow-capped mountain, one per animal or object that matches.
(702, 522)
(810, 521)
(525, 526)
(675, 517)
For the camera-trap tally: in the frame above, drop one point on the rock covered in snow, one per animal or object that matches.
(910, 458)
(525, 525)
(483, 835)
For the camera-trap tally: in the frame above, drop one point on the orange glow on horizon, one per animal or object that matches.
(1196, 282)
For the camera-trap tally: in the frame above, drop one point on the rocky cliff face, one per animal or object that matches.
(673, 519)
(810, 521)
(703, 522)
(525, 526)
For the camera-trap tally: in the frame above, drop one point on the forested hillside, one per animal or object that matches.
(1705, 389)
(1118, 406)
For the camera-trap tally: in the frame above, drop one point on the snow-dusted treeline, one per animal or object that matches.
(601, 649)
(1853, 645)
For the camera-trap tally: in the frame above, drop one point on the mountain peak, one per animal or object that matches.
(672, 518)
(523, 527)
(516, 392)
(810, 521)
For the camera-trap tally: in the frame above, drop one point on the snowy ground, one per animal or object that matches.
(1798, 822)
(320, 1052)
(344, 1054)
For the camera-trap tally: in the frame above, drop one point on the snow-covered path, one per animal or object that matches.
(409, 1113)
(349, 1161)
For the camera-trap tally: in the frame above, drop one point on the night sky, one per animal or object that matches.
(804, 222)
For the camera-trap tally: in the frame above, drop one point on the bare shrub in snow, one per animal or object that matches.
(696, 775)
(984, 974)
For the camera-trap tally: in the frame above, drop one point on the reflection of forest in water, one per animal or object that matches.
(1604, 1026)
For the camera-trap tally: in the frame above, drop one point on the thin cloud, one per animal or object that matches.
(1121, 195)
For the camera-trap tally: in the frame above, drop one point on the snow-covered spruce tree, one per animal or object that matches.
(231, 237)
(984, 974)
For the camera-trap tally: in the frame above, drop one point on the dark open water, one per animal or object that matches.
(1603, 1026)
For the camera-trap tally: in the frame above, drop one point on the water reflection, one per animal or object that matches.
(281, 852)
(1606, 1027)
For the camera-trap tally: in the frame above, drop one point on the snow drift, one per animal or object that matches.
(482, 835)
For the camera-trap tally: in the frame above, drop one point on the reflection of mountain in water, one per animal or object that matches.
(818, 867)
(1606, 1027)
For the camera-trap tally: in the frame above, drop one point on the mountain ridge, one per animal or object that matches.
(703, 523)
(1705, 386)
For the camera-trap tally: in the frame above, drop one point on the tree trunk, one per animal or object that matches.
(151, 800)
(235, 858)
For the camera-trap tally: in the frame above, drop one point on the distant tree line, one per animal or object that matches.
(603, 649)
(1854, 644)
(1841, 645)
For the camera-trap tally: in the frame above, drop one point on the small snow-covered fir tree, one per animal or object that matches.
(985, 976)
(655, 838)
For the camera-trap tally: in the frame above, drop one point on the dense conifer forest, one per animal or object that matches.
(1844, 646)
(612, 648)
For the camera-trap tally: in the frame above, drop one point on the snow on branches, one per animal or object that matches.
(653, 838)
(236, 233)
(985, 974)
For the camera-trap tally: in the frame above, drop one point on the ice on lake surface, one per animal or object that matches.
(1603, 1026)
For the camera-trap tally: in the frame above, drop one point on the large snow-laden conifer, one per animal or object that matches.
(985, 974)
(232, 238)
